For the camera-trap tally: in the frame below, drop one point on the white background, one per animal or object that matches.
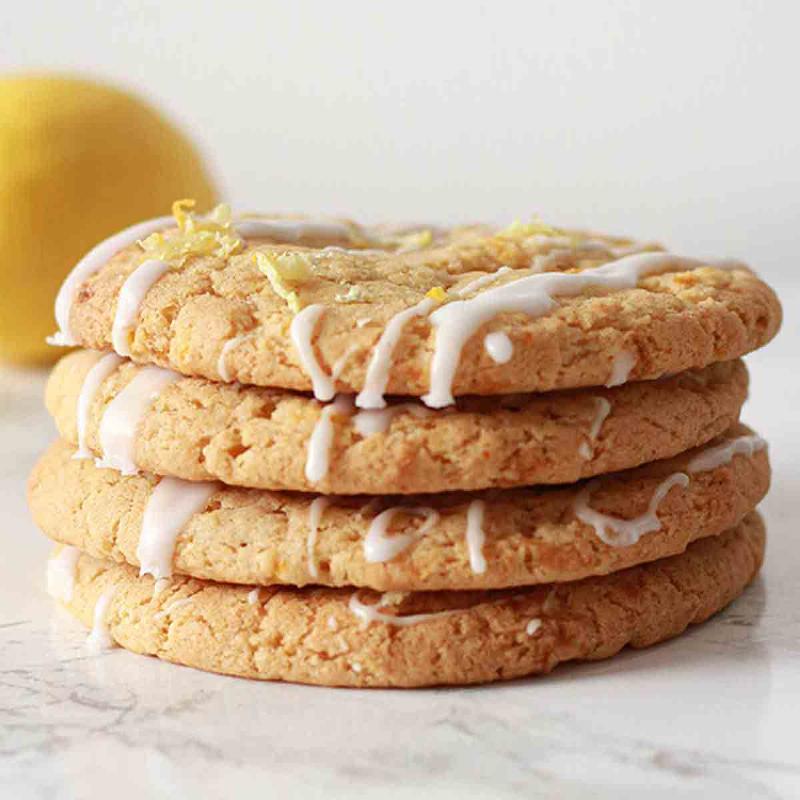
(676, 121)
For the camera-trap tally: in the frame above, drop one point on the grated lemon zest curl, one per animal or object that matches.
(413, 241)
(523, 230)
(284, 272)
(438, 294)
(211, 235)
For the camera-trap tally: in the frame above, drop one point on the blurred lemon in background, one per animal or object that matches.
(79, 161)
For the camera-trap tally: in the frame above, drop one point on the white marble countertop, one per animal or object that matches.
(713, 714)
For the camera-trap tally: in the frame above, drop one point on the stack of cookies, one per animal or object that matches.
(308, 450)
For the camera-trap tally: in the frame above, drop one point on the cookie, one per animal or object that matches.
(432, 315)
(342, 637)
(482, 540)
(275, 439)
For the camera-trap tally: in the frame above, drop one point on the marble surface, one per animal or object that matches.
(710, 715)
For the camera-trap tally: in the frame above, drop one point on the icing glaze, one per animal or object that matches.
(533, 627)
(315, 512)
(321, 439)
(222, 368)
(130, 298)
(618, 532)
(338, 365)
(475, 536)
(621, 367)
(99, 637)
(533, 295)
(301, 332)
(254, 596)
(173, 606)
(499, 347)
(172, 503)
(377, 420)
(121, 418)
(369, 613)
(91, 383)
(380, 363)
(479, 283)
(602, 410)
(61, 573)
(160, 585)
(718, 455)
(380, 546)
(90, 264)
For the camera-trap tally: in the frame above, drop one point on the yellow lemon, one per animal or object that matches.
(78, 161)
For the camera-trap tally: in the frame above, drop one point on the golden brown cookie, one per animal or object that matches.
(481, 540)
(266, 438)
(338, 637)
(464, 311)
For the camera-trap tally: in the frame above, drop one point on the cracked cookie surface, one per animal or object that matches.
(523, 536)
(676, 320)
(260, 438)
(314, 636)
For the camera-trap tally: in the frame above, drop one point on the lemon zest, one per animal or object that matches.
(285, 271)
(354, 294)
(414, 241)
(438, 294)
(211, 235)
(523, 230)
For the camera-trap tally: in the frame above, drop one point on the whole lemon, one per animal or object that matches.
(79, 161)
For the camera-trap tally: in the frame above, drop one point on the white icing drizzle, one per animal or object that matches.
(479, 283)
(222, 367)
(333, 625)
(90, 264)
(377, 377)
(321, 439)
(360, 323)
(533, 295)
(369, 613)
(603, 409)
(130, 298)
(377, 420)
(315, 512)
(476, 536)
(718, 455)
(61, 573)
(254, 596)
(618, 532)
(160, 585)
(499, 347)
(621, 367)
(302, 333)
(356, 667)
(338, 365)
(121, 418)
(173, 606)
(379, 546)
(99, 637)
(172, 503)
(533, 627)
(293, 230)
(91, 383)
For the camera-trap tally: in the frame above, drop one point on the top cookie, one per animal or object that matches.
(334, 307)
